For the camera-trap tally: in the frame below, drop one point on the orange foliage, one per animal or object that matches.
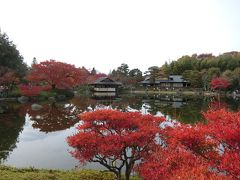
(32, 90)
(114, 139)
(219, 83)
(202, 151)
(57, 74)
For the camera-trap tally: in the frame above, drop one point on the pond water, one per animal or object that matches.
(38, 138)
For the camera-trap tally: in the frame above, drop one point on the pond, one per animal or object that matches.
(38, 138)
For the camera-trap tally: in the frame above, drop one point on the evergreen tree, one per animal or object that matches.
(10, 56)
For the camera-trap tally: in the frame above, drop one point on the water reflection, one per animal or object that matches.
(11, 125)
(37, 138)
(53, 117)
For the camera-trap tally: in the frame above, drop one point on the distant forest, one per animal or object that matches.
(198, 70)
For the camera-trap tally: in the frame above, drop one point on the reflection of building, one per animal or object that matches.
(105, 86)
(104, 94)
(163, 101)
(177, 104)
(173, 81)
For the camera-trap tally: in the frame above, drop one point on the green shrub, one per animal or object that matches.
(47, 94)
(66, 93)
(14, 93)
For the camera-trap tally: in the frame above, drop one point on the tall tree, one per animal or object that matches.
(121, 74)
(135, 75)
(193, 77)
(236, 78)
(203, 151)
(57, 74)
(155, 72)
(115, 139)
(10, 56)
(123, 69)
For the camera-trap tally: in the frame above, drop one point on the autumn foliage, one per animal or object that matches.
(219, 83)
(115, 139)
(57, 74)
(8, 79)
(202, 151)
(33, 90)
(207, 150)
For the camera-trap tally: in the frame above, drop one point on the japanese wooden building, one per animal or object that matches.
(105, 86)
(173, 81)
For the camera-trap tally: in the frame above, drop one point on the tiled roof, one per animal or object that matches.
(106, 81)
(177, 78)
(171, 79)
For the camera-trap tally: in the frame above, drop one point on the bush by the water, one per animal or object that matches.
(44, 95)
(66, 93)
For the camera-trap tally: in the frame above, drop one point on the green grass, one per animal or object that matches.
(10, 173)
(47, 94)
(184, 92)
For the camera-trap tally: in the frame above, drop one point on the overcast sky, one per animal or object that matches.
(105, 33)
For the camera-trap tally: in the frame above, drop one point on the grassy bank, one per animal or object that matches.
(10, 173)
(197, 93)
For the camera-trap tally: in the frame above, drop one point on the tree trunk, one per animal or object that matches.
(127, 173)
(53, 86)
(219, 103)
(118, 175)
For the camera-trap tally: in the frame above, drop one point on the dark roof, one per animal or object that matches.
(171, 79)
(106, 81)
(176, 78)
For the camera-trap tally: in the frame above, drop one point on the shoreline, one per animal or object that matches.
(144, 92)
(190, 93)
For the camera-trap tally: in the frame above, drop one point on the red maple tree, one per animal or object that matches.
(33, 90)
(57, 74)
(205, 150)
(219, 83)
(115, 139)
(175, 163)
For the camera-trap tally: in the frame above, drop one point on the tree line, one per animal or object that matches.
(199, 70)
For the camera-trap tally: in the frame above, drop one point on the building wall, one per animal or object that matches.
(98, 89)
(177, 85)
(165, 84)
(104, 94)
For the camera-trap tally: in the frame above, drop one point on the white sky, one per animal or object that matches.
(105, 33)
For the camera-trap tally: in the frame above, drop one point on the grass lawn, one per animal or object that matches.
(174, 92)
(10, 173)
